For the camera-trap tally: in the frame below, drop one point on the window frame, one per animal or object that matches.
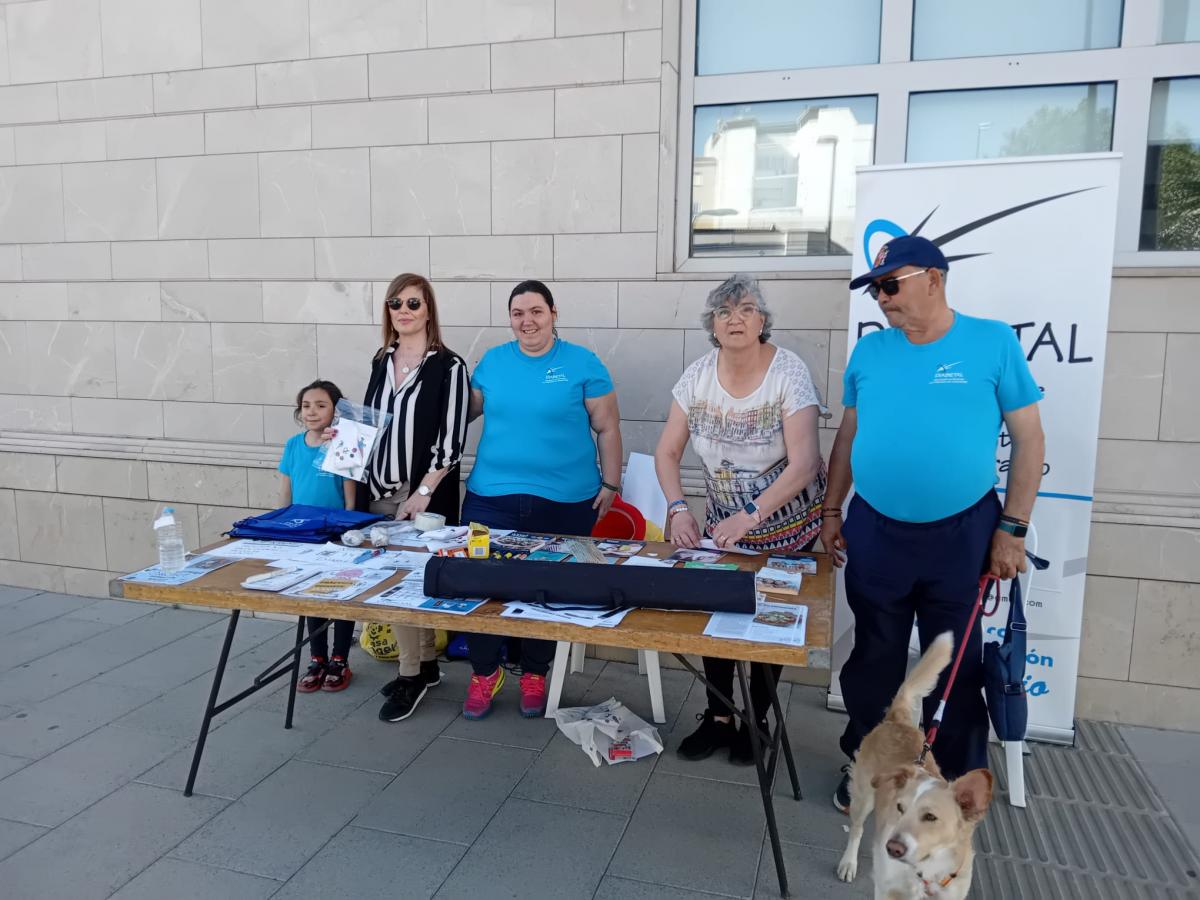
(1134, 67)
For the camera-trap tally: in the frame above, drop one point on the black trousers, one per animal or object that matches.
(343, 636)
(524, 512)
(895, 571)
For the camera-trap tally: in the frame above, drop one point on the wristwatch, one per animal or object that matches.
(424, 490)
(751, 509)
(1014, 527)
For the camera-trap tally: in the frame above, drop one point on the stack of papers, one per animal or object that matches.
(410, 594)
(339, 584)
(571, 615)
(778, 581)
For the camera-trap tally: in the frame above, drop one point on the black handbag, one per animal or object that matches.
(590, 584)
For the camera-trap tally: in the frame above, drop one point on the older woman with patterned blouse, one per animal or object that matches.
(750, 410)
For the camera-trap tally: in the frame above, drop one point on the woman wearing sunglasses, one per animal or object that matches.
(414, 469)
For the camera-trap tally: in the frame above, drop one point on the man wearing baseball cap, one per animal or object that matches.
(924, 401)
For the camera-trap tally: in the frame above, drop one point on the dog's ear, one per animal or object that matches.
(973, 793)
(895, 779)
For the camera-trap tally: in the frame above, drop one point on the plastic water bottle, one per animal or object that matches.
(169, 534)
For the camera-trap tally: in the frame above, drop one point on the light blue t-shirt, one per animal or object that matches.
(537, 438)
(310, 485)
(929, 415)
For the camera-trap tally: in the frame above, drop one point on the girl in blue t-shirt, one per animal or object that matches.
(304, 482)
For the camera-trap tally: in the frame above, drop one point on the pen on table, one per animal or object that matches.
(367, 554)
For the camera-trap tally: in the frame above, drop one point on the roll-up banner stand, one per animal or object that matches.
(1030, 242)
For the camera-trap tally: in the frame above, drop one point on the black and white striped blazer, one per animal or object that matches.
(428, 430)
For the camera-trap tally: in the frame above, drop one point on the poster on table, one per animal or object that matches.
(1030, 242)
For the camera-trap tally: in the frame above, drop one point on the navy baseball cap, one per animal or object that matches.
(909, 250)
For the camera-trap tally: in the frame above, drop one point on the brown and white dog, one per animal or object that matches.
(923, 823)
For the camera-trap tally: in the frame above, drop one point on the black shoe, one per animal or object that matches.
(741, 751)
(706, 740)
(429, 671)
(403, 699)
(841, 797)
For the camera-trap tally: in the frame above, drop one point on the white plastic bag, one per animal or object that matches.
(609, 731)
(358, 429)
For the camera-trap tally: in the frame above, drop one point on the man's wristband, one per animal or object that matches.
(831, 512)
(615, 488)
(1015, 527)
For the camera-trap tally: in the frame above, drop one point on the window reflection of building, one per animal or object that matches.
(772, 186)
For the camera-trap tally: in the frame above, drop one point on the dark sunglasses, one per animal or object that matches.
(414, 303)
(890, 286)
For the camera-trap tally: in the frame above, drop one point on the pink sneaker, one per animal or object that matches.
(533, 696)
(480, 692)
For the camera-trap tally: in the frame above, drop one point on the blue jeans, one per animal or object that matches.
(522, 512)
(931, 570)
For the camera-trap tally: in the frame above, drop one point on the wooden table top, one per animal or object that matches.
(641, 629)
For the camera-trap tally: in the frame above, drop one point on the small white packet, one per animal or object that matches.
(609, 731)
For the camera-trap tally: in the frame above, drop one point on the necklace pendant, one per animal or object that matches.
(404, 369)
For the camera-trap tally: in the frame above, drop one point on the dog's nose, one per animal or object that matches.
(895, 848)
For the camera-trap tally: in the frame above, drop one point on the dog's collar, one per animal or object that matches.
(932, 886)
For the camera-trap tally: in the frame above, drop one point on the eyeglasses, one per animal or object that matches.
(413, 303)
(744, 311)
(891, 286)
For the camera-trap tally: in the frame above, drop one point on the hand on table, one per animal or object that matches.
(685, 532)
(413, 506)
(731, 530)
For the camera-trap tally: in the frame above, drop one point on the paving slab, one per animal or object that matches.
(10, 764)
(51, 790)
(105, 846)
(53, 723)
(811, 872)
(613, 888)
(50, 675)
(569, 850)
(193, 655)
(372, 865)
(45, 638)
(564, 774)
(449, 792)
(13, 594)
(238, 756)
(113, 612)
(362, 741)
(182, 880)
(1168, 759)
(694, 833)
(277, 826)
(15, 835)
(41, 607)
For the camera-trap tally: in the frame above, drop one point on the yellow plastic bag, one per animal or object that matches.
(379, 641)
(653, 532)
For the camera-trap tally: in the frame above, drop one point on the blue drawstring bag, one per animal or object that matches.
(299, 522)
(1004, 673)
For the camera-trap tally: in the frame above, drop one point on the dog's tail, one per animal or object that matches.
(922, 679)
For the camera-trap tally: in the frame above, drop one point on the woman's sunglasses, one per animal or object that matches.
(891, 286)
(413, 303)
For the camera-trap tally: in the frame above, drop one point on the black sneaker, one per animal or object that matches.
(403, 699)
(429, 671)
(841, 797)
(741, 751)
(706, 740)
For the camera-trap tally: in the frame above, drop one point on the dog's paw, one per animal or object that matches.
(847, 868)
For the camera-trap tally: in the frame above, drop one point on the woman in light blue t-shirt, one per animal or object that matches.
(535, 470)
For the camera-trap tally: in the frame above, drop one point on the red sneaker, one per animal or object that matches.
(533, 696)
(480, 692)
(337, 675)
(315, 676)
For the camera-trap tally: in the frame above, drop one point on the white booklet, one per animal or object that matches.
(773, 623)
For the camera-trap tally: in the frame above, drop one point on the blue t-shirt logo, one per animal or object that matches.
(554, 375)
(948, 373)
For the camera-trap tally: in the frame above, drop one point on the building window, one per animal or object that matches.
(1171, 198)
(777, 179)
(769, 35)
(944, 29)
(1028, 121)
(1180, 21)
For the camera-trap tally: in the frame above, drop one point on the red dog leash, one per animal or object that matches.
(985, 583)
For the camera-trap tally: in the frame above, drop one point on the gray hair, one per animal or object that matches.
(734, 288)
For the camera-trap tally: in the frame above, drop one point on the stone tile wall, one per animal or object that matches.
(203, 200)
